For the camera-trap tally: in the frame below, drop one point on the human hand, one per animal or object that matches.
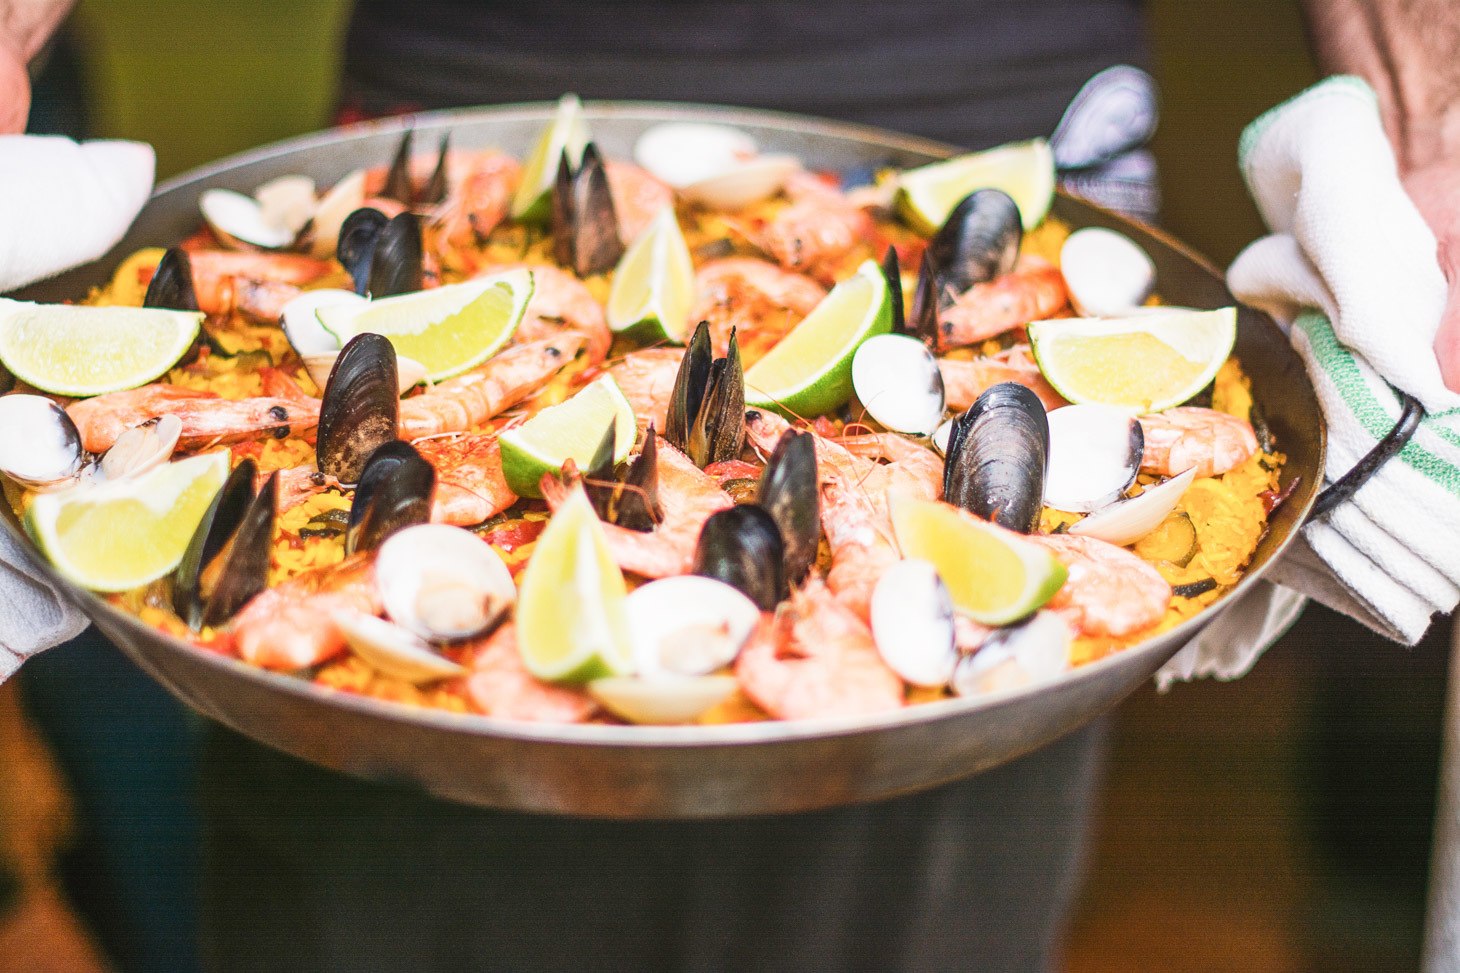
(1435, 189)
(14, 88)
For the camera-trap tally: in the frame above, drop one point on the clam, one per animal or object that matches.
(714, 165)
(1032, 651)
(287, 201)
(1107, 273)
(996, 458)
(940, 437)
(661, 699)
(394, 492)
(142, 448)
(688, 625)
(912, 623)
(393, 651)
(40, 447)
(584, 224)
(1094, 456)
(1127, 521)
(361, 407)
(443, 584)
(227, 561)
(172, 283)
(978, 242)
(301, 325)
(269, 220)
(896, 379)
(742, 547)
(409, 372)
(790, 492)
(342, 199)
(706, 415)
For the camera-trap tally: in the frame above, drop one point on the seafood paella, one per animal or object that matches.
(700, 435)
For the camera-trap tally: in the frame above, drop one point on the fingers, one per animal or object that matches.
(1447, 339)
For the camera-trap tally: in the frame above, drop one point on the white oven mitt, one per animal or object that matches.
(63, 203)
(1350, 271)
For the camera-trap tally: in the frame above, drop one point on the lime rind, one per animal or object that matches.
(498, 300)
(1024, 170)
(191, 483)
(1204, 337)
(80, 351)
(653, 285)
(568, 131)
(809, 373)
(572, 626)
(569, 430)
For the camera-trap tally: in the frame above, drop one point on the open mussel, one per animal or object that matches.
(361, 407)
(433, 193)
(40, 447)
(629, 498)
(584, 224)
(394, 491)
(706, 416)
(383, 256)
(892, 270)
(171, 286)
(790, 493)
(978, 242)
(996, 458)
(356, 245)
(922, 314)
(227, 561)
(742, 547)
(398, 177)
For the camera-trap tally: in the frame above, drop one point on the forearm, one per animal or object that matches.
(1406, 49)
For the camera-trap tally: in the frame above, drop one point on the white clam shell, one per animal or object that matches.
(342, 199)
(661, 699)
(409, 372)
(912, 623)
(141, 448)
(684, 153)
(441, 582)
(896, 379)
(287, 202)
(744, 184)
(1106, 273)
(301, 325)
(1034, 651)
(688, 625)
(238, 219)
(39, 444)
(940, 437)
(393, 651)
(1127, 521)
(1094, 455)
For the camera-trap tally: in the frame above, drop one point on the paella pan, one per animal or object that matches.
(347, 713)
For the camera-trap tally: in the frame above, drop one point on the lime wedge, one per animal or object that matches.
(810, 372)
(654, 284)
(993, 575)
(120, 535)
(571, 624)
(571, 430)
(448, 329)
(1146, 361)
(567, 131)
(77, 351)
(1024, 170)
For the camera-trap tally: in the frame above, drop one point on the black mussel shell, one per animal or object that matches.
(689, 388)
(598, 478)
(398, 262)
(718, 431)
(243, 569)
(637, 506)
(398, 178)
(361, 407)
(7, 381)
(922, 317)
(434, 191)
(584, 224)
(211, 537)
(790, 493)
(359, 234)
(996, 458)
(979, 241)
(172, 283)
(742, 547)
(892, 270)
(394, 492)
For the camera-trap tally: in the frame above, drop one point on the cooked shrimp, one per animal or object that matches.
(687, 495)
(206, 419)
(964, 381)
(257, 285)
(757, 300)
(463, 403)
(646, 378)
(1110, 592)
(815, 658)
(561, 303)
(1213, 442)
(1034, 289)
(470, 485)
(820, 233)
(479, 201)
(297, 484)
(637, 197)
(501, 686)
(293, 626)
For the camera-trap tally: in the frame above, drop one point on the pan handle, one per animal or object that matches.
(1384, 450)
